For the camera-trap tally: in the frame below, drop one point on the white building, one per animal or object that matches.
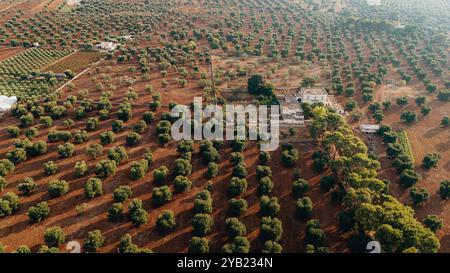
(7, 102)
(369, 128)
(292, 115)
(319, 95)
(107, 46)
(312, 95)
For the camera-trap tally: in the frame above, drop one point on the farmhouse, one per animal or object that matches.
(291, 111)
(107, 46)
(312, 95)
(319, 95)
(369, 128)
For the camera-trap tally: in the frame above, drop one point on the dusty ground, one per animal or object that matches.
(16, 230)
(6, 52)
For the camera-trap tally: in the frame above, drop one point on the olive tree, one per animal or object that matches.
(6, 167)
(50, 168)
(264, 158)
(161, 195)
(272, 247)
(237, 206)
(202, 223)
(182, 167)
(160, 174)
(94, 150)
(57, 188)
(54, 236)
(444, 189)
(269, 205)
(38, 212)
(13, 131)
(115, 212)
(9, 203)
(81, 168)
(23, 249)
(433, 222)
(3, 183)
(314, 234)
(107, 137)
(17, 155)
(410, 177)
(138, 169)
(122, 193)
(431, 160)
(203, 202)
(93, 188)
(265, 186)
(105, 168)
(182, 184)
(271, 228)
(94, 241)
(234, 227)
(304, 207)
(198, 245)
(300, 187)
(238, 245)
(213, 170)
(139, 216)
(132, 138)
(27, 185)
(118, 154)
(238, 186)
(66, 150)
(289, 157)
(166, 221)
(46, 249)
(239, 171)
(418, 197)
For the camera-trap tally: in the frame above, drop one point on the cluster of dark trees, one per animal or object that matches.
(365, 199)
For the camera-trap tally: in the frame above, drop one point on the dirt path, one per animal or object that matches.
(7, 8)
(79, 74)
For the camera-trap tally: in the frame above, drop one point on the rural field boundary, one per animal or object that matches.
(404, 142)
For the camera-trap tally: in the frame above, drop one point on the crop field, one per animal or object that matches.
(75, 62)
(95, 161)
(18, 73)
(31, 60)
